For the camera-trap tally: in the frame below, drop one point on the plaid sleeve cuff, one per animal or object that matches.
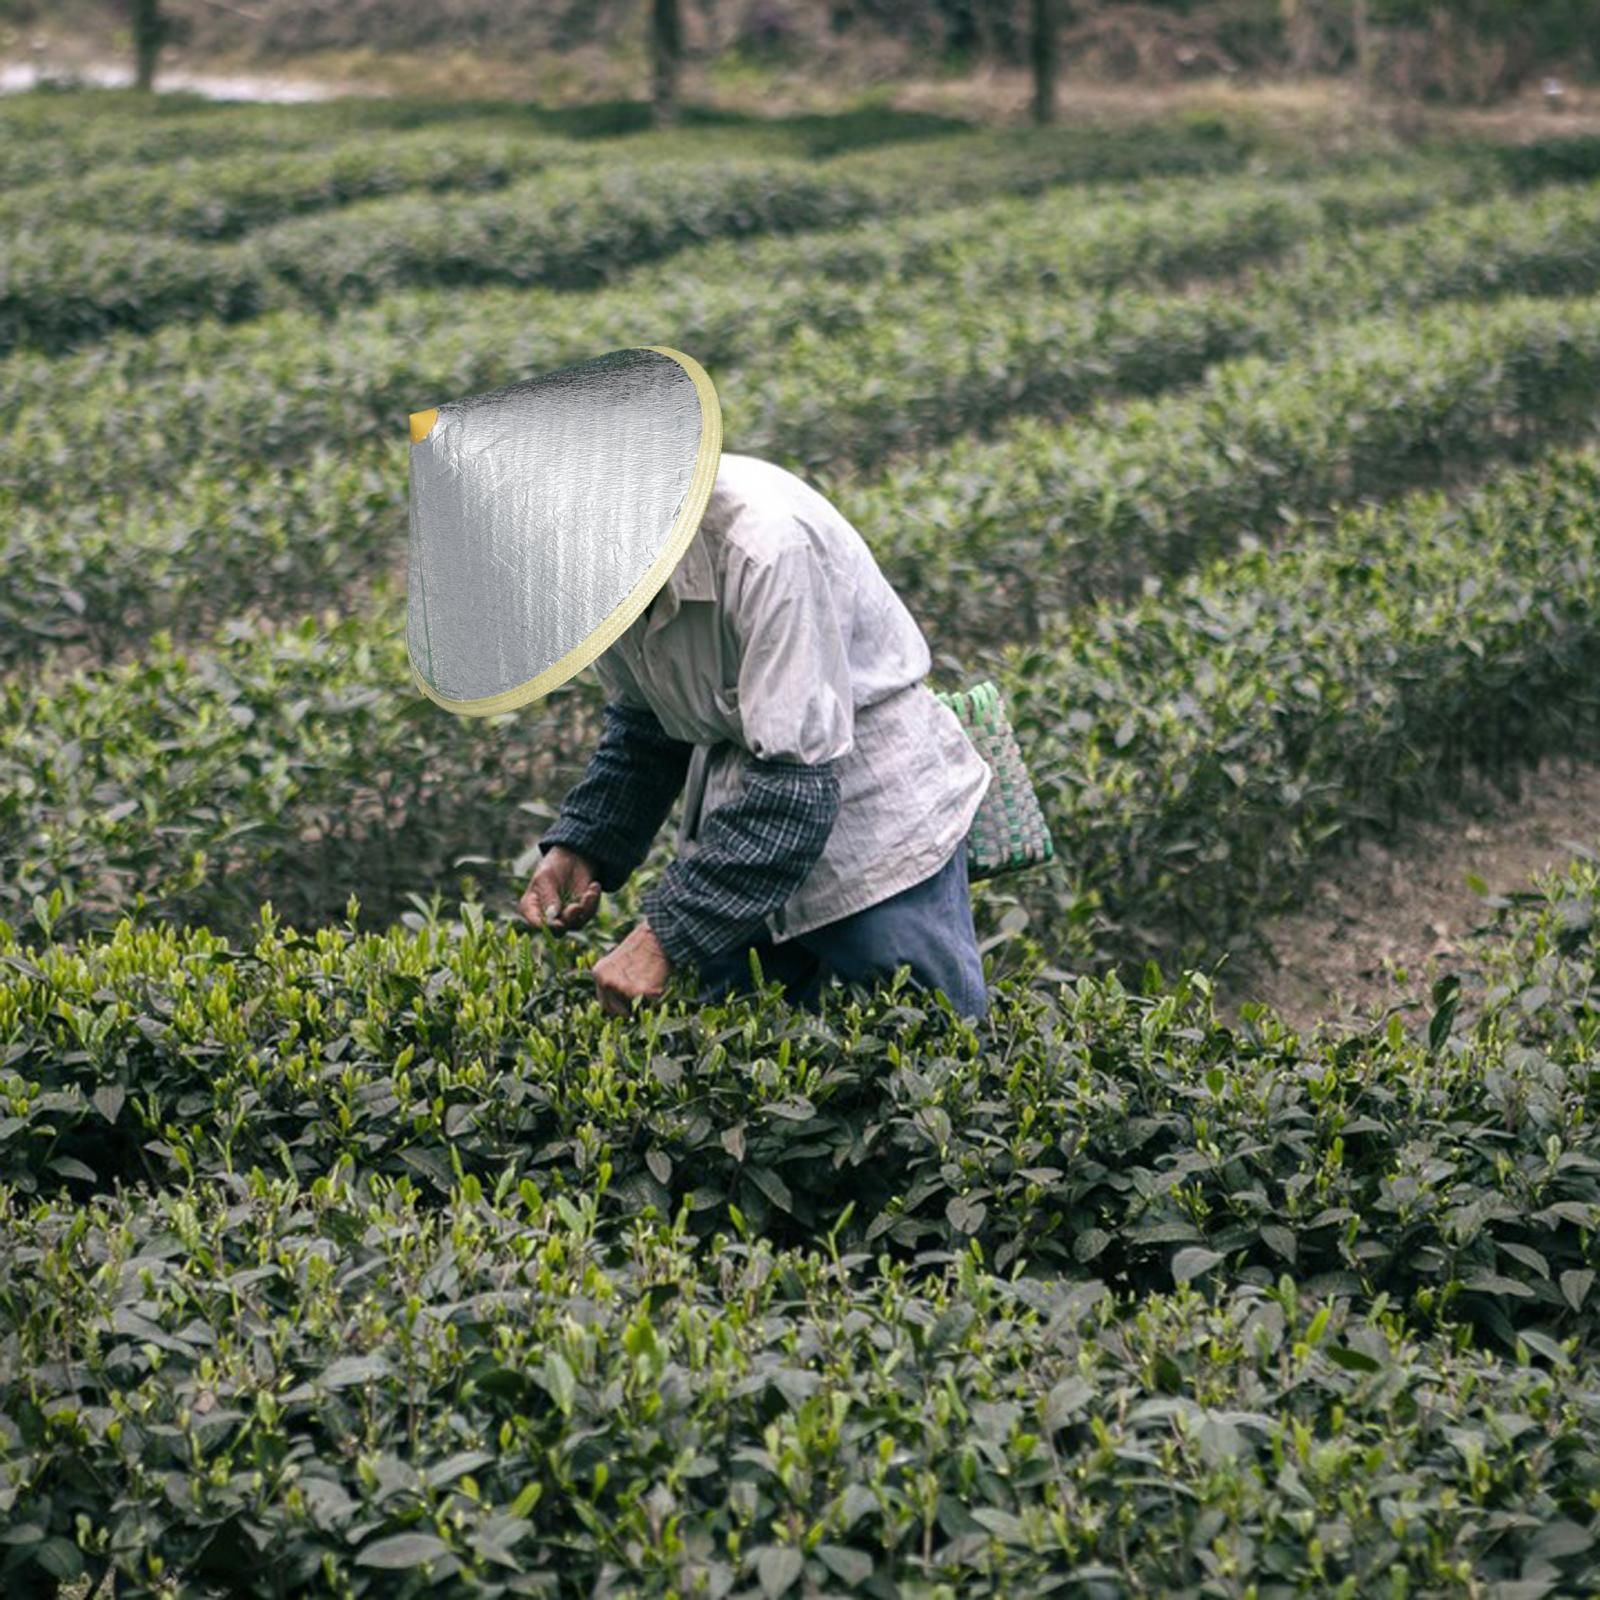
(614, 812)
(753, 853)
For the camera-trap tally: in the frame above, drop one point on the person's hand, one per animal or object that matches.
(636, 971)
(563, 893)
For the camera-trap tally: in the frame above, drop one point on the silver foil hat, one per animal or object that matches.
(545, 517)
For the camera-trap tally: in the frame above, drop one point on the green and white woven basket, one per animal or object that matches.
(1009, 831)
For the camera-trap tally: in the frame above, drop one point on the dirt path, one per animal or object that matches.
(1382, 923)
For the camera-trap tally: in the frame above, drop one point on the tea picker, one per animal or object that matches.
(754, 659)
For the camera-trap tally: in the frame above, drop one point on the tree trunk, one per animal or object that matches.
(1361, 17)
(1043, 49)
(983, 27)
(666, 44)
(1300, 34)
(146, 42)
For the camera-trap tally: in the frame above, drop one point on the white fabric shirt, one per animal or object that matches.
(777, 636)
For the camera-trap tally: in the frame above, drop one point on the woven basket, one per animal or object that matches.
(1009, 831)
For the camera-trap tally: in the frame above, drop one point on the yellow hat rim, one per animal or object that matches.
(683, 529)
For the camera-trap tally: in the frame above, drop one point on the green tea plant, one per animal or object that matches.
(1267, 705)
(349, 1250)
(286, 381)
(297, 742)
(190, 548)
(389, 1167)
(88, 131)
(1048, 517)
(566, 228)
(1201, 750)
(1124, 490)
(221, 197)
(494, 1398)
(1080, 1127)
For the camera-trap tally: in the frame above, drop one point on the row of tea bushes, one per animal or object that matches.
(42, 151)
(108, 565)
(200, 192)
(136, 410)
(221, 197)
(52, 136)
(1200, 751)
(90, 152)
(91, 133)
(196, 546)
(291, 379)
(296, 763)
(1084, 1128)
(115, 565)
(1195, 750)
(1047, 517)
(254, 1387)
(106, 280)
(1150, 232)
(1050, 517)
(96, 134)
(310, 767)
(107, 571)
(1548, 245)
(61, 287)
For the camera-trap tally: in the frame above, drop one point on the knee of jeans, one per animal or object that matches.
(974, 1004)
(968, 996)
(973, 999)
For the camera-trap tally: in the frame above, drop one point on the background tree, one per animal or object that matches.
(1361, 24)
(666, 52)
(1044, 47)
(1300, 34)
(150, 29)
(1448, 50)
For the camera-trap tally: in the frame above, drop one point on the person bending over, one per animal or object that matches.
(779, 677)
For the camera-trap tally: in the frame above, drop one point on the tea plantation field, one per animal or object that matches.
(348, 1250)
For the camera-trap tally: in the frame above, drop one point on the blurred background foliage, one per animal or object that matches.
(1465, 51)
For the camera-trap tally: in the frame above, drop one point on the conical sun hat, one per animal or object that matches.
(545, 516)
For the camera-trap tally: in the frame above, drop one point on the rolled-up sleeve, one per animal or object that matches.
(753, 853)
(795, 693)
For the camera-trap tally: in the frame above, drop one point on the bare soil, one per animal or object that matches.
(1385, 921)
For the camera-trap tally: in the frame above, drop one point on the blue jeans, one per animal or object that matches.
(927, 927)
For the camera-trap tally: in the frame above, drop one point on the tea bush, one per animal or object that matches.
(535, 1303)
(194, 544)
(1093, 1126)
(1122, 491)
(360, 1259)
(570, 229)
(189, 780)
(290, 380)
(1048, 517)
(221, 197)
(1276, 700)
(1200, 751)
(63, 288)
(89, 131)
(258, 1388)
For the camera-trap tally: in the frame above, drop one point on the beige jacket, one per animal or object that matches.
(777, 636)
